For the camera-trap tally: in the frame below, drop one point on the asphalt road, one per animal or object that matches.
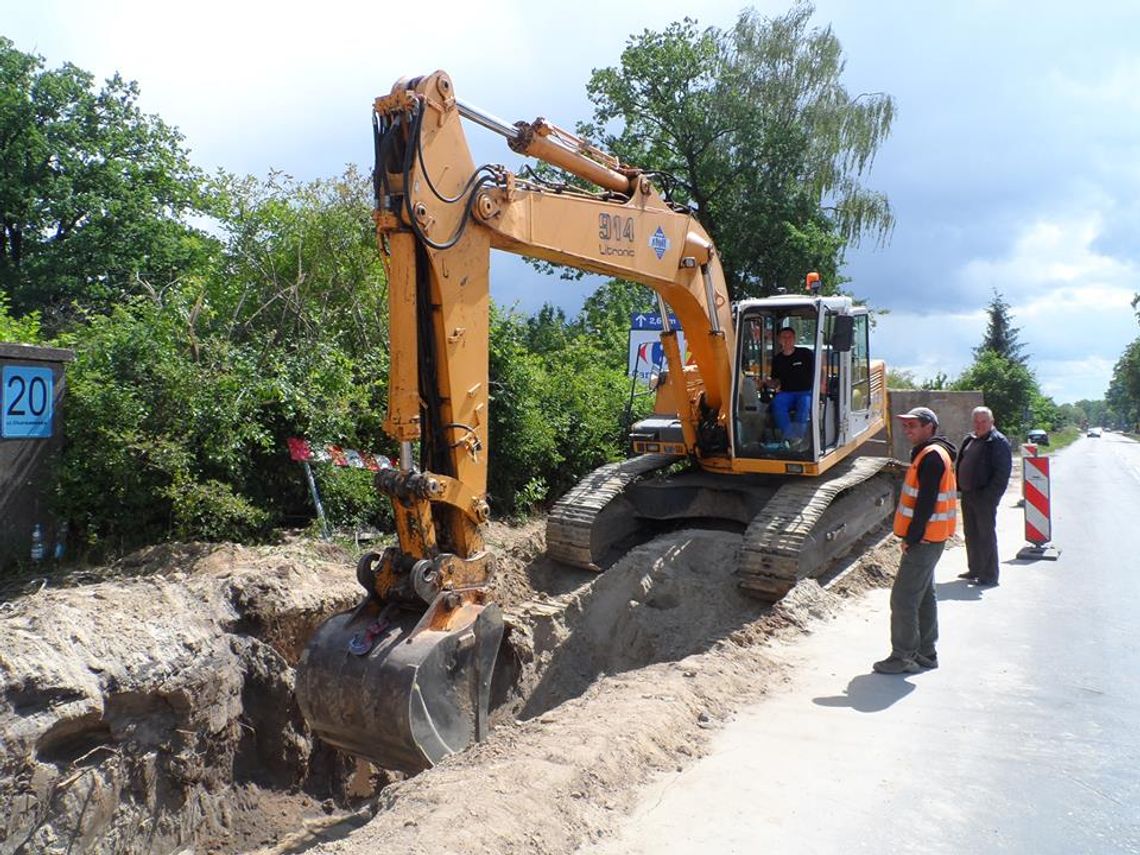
(1026, 739)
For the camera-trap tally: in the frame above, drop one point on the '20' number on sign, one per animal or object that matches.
(27, 396)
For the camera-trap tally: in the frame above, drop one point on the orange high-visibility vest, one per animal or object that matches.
(940, 527)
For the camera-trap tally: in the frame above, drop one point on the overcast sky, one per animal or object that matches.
(1014, 163)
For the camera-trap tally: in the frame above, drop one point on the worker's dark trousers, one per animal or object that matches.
(914, 608)
(980, 520)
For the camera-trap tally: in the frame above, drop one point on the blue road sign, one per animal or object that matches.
(27, 400)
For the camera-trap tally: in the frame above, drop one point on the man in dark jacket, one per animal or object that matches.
(984, 464)
(925, 519)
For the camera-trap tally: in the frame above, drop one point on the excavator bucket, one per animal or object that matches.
(400, 689)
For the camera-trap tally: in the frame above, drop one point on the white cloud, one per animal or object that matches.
(1070, 303)
(1111, 88)
(1049, 253)
(1069, 381)
(926, 345)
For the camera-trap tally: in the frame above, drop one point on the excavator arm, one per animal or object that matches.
(404, 679)
(438, 217)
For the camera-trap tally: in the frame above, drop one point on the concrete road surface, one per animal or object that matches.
(1026, 739)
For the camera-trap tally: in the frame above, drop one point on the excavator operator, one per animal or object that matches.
(793, 370)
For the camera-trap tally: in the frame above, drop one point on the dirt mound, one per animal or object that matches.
(148, 713)
(560, 779)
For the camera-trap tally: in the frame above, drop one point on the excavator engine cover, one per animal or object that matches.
(401, 689)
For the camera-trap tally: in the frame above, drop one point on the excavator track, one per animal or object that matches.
(809, 523)
(592, 516)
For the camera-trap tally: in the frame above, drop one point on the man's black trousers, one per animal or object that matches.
(980, 519)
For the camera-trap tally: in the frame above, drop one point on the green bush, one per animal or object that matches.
(156, 422)
(25, 330)
(555, 416)
(350, 499)
(212, 511)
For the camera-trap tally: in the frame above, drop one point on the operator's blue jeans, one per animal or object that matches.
(785, 401)
(914, 608)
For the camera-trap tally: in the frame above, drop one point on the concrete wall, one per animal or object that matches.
(25, 462)
(954, 411)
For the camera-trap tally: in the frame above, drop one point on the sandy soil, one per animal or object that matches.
(150, 708)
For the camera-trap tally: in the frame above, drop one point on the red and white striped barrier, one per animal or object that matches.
(1038, 520)
(304, 452)
(1035, 487)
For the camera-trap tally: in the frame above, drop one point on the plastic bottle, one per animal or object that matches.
(60, 541)
(38, 543)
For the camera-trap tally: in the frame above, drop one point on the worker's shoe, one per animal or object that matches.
(896, 665)
(985, 583)
(968, 576)
(928, 662)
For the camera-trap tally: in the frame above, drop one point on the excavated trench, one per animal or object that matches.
(154, 712)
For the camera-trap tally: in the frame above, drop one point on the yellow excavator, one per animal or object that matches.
(404, 678)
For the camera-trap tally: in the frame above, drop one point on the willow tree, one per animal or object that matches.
(753, 127)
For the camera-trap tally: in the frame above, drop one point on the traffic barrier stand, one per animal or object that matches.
(302, 451)
(1038, 519)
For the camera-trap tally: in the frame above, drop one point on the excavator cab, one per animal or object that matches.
(827, 405)
(775, 417)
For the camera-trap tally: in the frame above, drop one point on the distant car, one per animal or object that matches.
(1094, 431)
(1037, 437)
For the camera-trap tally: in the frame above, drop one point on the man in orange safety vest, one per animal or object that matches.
(925, 519)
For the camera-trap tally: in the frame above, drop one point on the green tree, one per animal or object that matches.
(548, 330)
(606, 317)
(25, 330)
(753, 128)
(181, 399)
(301, 265)
(555, 415)
(1123, 395)
(1044, 413)
(1001, 334)
(1095, 411)
(899, 379)
(1071, 414)
(1008, 388)
(939, 381)
(93, 192)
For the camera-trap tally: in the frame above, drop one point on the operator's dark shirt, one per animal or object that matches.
(795, 371)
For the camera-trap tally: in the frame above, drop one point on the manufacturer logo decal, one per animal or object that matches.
(659, 243)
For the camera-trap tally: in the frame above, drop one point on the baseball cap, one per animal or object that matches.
(923, 414)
